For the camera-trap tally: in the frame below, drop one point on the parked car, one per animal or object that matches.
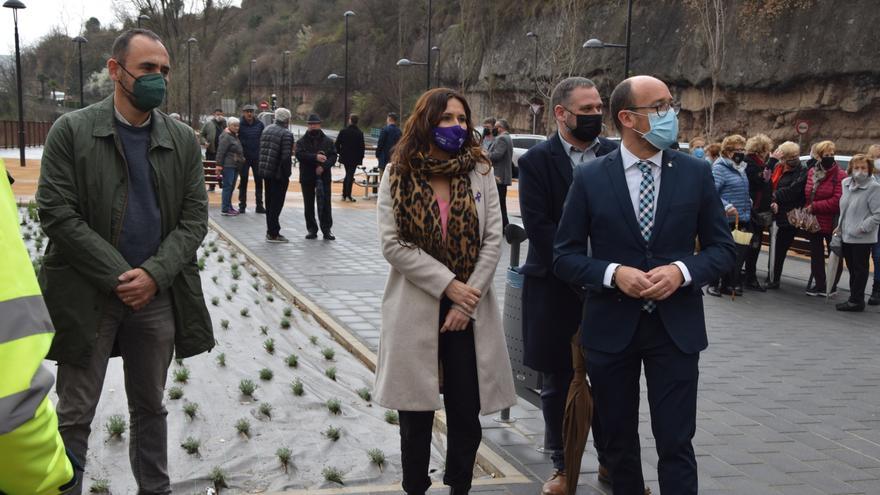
(842, 160)
(521, 144)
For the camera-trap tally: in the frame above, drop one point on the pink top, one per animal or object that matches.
(444, 213)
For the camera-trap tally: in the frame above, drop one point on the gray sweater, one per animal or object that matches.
(860, 212)
(501, 154)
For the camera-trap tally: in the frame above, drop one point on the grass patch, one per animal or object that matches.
(292, 361)
(245, 312)
(284, 455)
(243, 427)
(215, 301)
(334, 406)
(333, 475)
(115, 426)
(191, 446)
(266, 374)
(285, 323)
(266, 409)
(218, 478)
(224, 324)
(247, 387)
(331, 373)
(190, 409)
(269, 345)
(221, 359)
(175, 393)
(328, 353)
(288, 311)
(181, 375)
(376, 457)
(392, 418)
(100, 485)
(364, 393)
(313, 340)
(297, 388)
(333, 433)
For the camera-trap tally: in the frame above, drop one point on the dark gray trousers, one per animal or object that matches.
(146, 342)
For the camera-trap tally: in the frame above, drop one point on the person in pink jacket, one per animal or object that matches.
(822, 193)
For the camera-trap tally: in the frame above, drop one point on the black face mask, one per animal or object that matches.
(588, 127)
(738, 157)
(827, 162)
(487, 131)
(494, 132)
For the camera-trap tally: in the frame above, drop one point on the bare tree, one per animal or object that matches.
(712, 23)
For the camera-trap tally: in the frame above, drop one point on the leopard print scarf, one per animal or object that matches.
(418, 215)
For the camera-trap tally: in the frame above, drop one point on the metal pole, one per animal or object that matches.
(251, 83)
(535, 77)
(428, 65)
(20, 90)
(345, 79)
(629, 16)
(82, 100)
(189, 111)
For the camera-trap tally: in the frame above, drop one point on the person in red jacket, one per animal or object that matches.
(822, 193)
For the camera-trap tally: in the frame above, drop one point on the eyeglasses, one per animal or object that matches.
(662, 109)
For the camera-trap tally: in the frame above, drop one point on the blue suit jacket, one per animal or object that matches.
(599, 210)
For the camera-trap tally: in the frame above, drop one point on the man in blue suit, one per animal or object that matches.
(551, 309)
(627, 237)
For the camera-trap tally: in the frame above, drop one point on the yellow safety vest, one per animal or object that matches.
(32, 455)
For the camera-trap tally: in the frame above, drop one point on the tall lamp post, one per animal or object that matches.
(428, 63)
(534, 36)
(347, 14)
(595, 43)
(405, 62)
(336, 77)
(80, 40)
(142, 18)
(251, 82)
(15, 5)
(436, 50)
(284, 78)
(189, 93)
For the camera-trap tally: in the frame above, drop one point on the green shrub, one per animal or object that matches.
(218, 478)
(313, 340)
(328, 353)
(292, 361)
(214, 278)
(392, 418)
(266, 374)
(221, 359)
(334, 406)
(234, 288)
(245, 312)
(247, 387)
(175, 393)
(264, 330)
(266, 409)
(285, 323)
(181, 375)
(191, 446)
(269, 345)
(332, 475)
(115, 426)
(215, 301)
(243, 427)
(288, 311)
(333, 433)
(224, 324)
(270, 298)
(100, 485)
(377, 457)
(283, 455)
(331, 373)
(190, 409)
(365, 394)
(297, 387)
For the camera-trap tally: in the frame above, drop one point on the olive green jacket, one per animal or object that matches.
(82, 196)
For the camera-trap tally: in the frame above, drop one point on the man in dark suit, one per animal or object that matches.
(316, 154)
(388, 138)
(551, 308)
(350, 147)
(627, 237)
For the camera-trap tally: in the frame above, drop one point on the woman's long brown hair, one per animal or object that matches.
(417, 132)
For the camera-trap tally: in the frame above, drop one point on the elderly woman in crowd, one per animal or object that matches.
(859, 222)
(822, 198)
(729, 172)
(230, 156)
(713, 151)
(874, 300)
(439, 225)
(697, 147)
(787, 185)
(759, 170)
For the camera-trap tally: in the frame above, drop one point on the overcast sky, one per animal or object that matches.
(41, 16)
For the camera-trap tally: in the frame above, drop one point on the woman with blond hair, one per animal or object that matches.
(787, 184)
(822, 198)
(729, 172)
(759, 170)
(874, 300)
(440, 229)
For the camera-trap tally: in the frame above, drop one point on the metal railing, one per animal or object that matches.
(34, 133)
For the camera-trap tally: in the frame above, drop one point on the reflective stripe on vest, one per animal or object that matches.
(18, 408)
(23, 317)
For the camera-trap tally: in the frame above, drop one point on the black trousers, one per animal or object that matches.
(317, 192)
(672, 395)
(276, 190)
(784, 239)
(502, 199)
(243, 185)
(818, 243)
(461, 399)
(754, 249)
(857, 257)
(348, 181)
(732, 278)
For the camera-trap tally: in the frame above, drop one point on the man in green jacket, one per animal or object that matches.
(122, 200)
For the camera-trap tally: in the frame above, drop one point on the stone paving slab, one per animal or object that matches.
(789, 397)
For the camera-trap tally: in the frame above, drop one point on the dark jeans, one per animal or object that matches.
(243, 185)
(146, 341)
(461, 399)
(276, 191)
(875, 254)
(784, 239)
(672, 395)
(732, 278)
(554, 392)
(348, 181)
(857, 256)
(818, 243)
(502, 198)
(754, 249)
(229, 174)
(318, 191)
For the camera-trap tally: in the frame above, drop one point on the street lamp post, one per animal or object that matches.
(347, 14)
(336, 77)
(15, 5)
(251, 82)
(79, 40)
(436, 50)
(405, 62)
(533, 35)
(284, 77)
(189, 93)
(142, 18)
(595, 43)
(428, 64)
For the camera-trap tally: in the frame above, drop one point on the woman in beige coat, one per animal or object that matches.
(440, 230)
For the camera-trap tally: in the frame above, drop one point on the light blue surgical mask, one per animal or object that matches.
(699, 152)
(664, 130)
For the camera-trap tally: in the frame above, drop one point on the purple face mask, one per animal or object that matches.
(450, 139)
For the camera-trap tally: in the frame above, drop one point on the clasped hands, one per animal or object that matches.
(136, 288)
(655, 285)
(465, 299)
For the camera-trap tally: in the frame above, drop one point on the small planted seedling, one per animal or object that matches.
(26, 236)
(247, 387)
(365, 394)
(333, 433)
(115, 426)
(175, 393)
(328, 353)
(215, 301)
(190, 409)
(269, 345)
(181, 375)
(313, 340)
(285, 323)
(288, 311)
(266, 374)
(220, 258)
(233, 255)
(245, 312)
(243, 427)
(332, 475)
(228, 296)
(191, 446)
(264, 330)
(292, 361)
(214, 278)
(221, 359)
(178, 361)
(266, 410)
(100, 485)
(284, 455)
(224, 324)
(392, 418)
(211, 244)
(218, 478)
(233, 264)
(331, 373)
(234, 288)
(256, 286)
(334, 406)
(236, 274)
(270, 298)
(297, 387)
(201, 264)
(377, 457)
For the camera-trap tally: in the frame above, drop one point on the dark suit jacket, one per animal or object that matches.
(307, 149)
(350, 146)
(551, 309)
(388, 138)
(599, 209)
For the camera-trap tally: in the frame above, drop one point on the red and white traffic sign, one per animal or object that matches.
(801, 127)
(264, 105)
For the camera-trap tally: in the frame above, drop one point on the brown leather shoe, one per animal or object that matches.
(556, 485)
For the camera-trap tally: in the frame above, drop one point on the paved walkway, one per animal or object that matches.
(789, 390)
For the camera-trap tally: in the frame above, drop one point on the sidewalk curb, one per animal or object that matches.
(501, 470)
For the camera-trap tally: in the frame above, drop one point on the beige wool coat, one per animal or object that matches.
(407, 374)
